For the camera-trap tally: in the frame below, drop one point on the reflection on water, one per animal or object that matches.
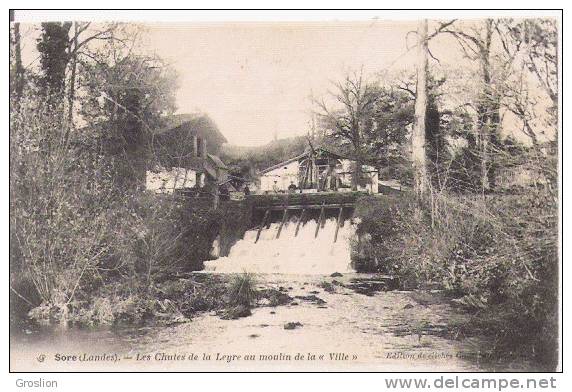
(388, 330)
(100, 337)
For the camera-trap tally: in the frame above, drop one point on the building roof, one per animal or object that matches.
(217, 161)
(393, 183)
(276, 166)
(174, 144)
(196, 121)
(303, 155)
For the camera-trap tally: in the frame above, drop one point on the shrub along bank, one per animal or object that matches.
(147, 241)
(497, 256)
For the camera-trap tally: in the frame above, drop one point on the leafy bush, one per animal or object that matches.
(61, 225)
(171, 235)
(377, 229)
(74, 231)
(498, 255)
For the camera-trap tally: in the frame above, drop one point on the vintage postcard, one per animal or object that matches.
(343, 194)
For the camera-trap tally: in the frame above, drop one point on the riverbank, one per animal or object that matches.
(353, 328)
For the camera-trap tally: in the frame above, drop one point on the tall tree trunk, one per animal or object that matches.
(18, 68)
(358, 160)
(73, 59)
(494, 141)
(418, 153)
(489, 117)
(357, 172)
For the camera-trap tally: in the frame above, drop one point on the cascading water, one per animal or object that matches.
(289, 254)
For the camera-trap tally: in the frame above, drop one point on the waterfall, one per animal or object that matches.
(289, 254)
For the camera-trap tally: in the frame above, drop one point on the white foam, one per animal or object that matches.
(303, 254)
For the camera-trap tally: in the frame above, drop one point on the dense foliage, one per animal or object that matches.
(497, 256)
(79, 224)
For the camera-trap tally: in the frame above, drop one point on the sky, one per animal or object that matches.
(255, 80)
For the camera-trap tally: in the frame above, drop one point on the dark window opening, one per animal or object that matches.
(199, 146)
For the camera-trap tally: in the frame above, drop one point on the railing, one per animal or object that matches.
(304, 200)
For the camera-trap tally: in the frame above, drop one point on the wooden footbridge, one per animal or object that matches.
(322, 201)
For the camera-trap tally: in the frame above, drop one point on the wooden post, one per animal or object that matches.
(306, 175)
(315, 178)
(284, 217)
(195, 147)
(204, 152)
(319, 220)
(216, 193)
(300, 221)
(338, 224)
(262, 225)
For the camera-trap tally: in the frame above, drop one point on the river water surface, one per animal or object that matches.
(329, 325)
(383, 331)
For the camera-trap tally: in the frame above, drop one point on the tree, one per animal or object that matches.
(62, 46)
(70, 224)
(477, 45)
(539, 37)
(387, 131)
(459, 172)
(436, 144)
(127, 100)
(418, 153)
(531, 46)
(53, 46)
(348, 121)
(16, 68)
(121, 94)
(79, 48)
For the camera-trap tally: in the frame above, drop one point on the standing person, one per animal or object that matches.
(292, 187)
(333, 177)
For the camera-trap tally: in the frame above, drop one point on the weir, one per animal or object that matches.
(305, 202)
(294, 234)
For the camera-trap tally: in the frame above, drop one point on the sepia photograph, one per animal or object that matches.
(344, 193)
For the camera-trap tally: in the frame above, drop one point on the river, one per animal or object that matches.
(332, 324)
(382, 331)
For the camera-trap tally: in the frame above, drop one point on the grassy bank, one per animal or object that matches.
(146, 240)
(496, 256)
(173, 298)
